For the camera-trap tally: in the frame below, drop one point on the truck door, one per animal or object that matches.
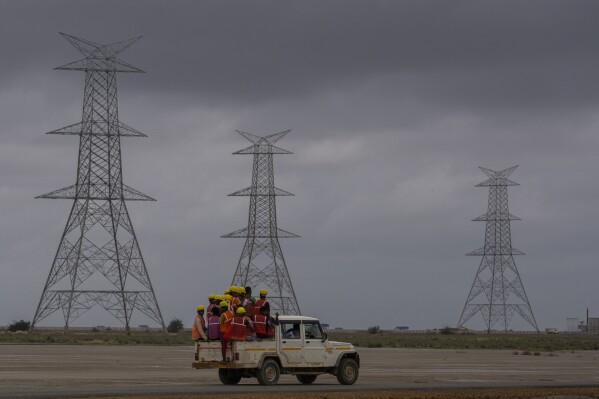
(314, 348)
(292, 344)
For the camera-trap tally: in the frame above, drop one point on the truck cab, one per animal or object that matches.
(300, 347)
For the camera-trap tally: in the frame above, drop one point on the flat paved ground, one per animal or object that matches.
(88, 370)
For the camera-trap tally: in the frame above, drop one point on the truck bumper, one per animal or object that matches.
(205, 365)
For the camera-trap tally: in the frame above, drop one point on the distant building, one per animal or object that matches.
(572, 324)
(402, 328)
(593, 325)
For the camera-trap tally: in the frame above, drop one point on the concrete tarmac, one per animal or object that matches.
(89, 370)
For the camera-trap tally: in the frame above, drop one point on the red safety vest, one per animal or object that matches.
(270, 328)
(195, 333)
(260, 324)
(259, 303)
(249, 306)
(225, 321)
(238, 330)
(213, 327)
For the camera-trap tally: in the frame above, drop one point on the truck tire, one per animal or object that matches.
(306, 378)
(347, 372)
(269, 372)
(229, 377)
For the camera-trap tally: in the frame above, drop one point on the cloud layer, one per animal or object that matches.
(393, 106)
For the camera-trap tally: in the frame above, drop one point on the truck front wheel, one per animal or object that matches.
(229, 377)
(347, 372)
(269, 373)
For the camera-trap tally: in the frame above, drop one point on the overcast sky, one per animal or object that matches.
(393, 106)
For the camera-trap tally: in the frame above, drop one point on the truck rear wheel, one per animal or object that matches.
(306, 378)
(269, 373)
(229, 377)
(347, 372)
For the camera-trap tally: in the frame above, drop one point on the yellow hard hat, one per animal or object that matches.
(263, 292)
(242, 290)
(227, 291)
(240, 310)
(223, 304)
(211, 296)
(234, 289)
(201, 307)
(218, 297)
(227, 297)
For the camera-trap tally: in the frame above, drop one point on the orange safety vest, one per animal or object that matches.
(235, 303)
(195, 333)
(225, 321)
(238, 330)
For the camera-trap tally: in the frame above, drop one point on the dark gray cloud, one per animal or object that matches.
(393, 105)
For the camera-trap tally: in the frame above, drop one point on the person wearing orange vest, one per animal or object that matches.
(261, 302)
(227, 298)
(226, 316)
(213, 322)
(212, 302)
(234, 303)
(198, 330)
(241, 327)
(248, 302)
(264, 324)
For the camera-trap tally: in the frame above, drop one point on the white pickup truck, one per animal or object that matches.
(300, 347)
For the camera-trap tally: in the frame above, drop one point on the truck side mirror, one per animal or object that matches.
(324, 337)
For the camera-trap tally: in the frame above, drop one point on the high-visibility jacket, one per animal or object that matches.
(248, 304)
(259, 303)
(225, 321)
(195, 332)
(239, 328)
(213, 327)
(262, 325)
(234, 304)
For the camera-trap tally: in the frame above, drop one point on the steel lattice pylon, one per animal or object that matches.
(98, 242)
(497, 291)
(262, 264)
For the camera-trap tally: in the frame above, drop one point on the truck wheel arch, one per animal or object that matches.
(352, 355)
(267, 356)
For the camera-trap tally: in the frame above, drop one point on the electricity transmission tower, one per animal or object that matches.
(98, 261)
(262, 264)
(497, 291)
